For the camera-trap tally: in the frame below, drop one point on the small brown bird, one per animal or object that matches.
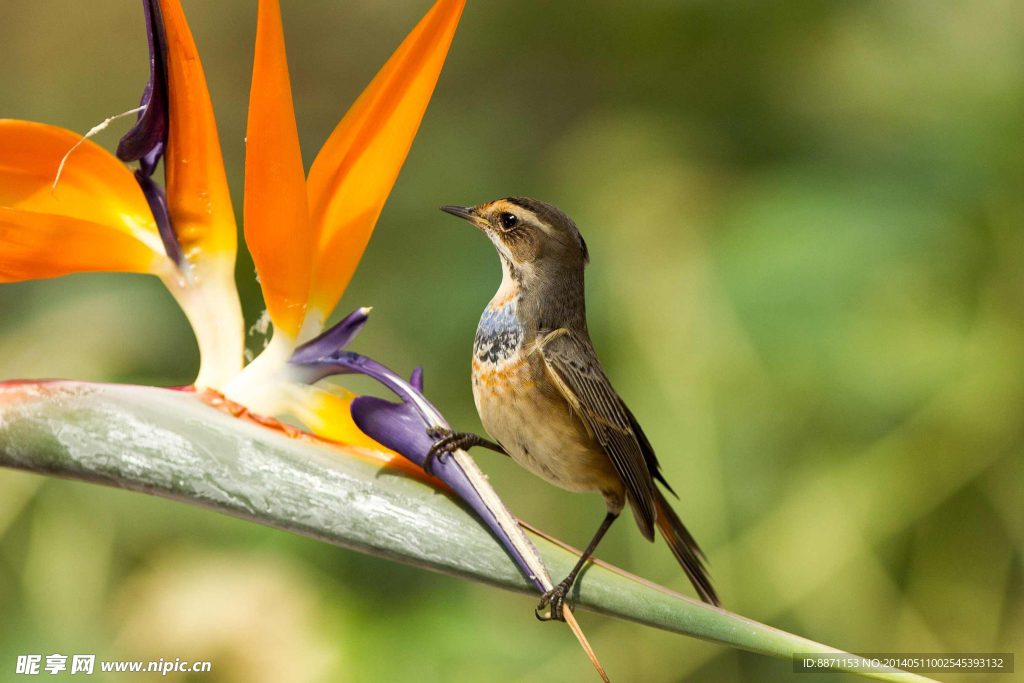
(541, 391)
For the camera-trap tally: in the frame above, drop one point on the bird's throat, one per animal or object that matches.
(499, 334)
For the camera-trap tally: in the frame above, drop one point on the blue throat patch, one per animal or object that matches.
(499, 333)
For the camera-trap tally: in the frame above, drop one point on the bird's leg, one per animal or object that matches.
(556, 596)
(449, 441)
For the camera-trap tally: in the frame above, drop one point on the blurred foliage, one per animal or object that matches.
(805, 222)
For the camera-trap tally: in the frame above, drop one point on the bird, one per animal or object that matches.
(543, 395)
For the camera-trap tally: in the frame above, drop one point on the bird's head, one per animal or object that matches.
(531, 236)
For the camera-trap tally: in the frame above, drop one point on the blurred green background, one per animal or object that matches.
(806, 222)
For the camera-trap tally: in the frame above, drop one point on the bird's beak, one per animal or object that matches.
(468, 213)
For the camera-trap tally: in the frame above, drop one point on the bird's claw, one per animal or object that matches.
(556, 599)
(449, 441)
(437, 450)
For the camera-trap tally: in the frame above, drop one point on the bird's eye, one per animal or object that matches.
(509, 220)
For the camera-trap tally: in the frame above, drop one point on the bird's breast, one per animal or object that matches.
(524, 412)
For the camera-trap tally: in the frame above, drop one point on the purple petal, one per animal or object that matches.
(416, 378)
(147, 139)
(157, 200)
(401, 427)
(333, 340)
(351, 363)
(326, 355)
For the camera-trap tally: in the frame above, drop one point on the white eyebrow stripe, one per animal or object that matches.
(525, 215)
(531, 217)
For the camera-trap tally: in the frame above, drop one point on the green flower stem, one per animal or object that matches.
(170, 444)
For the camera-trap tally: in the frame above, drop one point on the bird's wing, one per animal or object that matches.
(575, 370)
(653, 466)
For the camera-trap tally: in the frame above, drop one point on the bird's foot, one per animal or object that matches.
(555, 598)
(448, 442)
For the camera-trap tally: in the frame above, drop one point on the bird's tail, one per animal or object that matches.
(685, 548)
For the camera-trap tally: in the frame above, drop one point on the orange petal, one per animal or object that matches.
(94, 186)
(197, 189)
(277, 226)
(354, 172)
(40, 245)
(331, 418)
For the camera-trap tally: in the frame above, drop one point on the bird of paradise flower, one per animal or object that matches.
(306, 235)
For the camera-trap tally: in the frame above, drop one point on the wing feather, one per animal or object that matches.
(575, 370)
